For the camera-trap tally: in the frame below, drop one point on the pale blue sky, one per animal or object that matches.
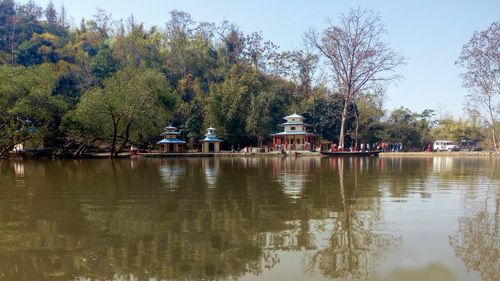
(429, 33)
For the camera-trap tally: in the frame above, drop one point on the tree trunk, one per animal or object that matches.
(12, 43)
(493, 131)
(342, 123)
(64, 149)
(4, 152)
(125, 141)
(493, 123)
(113, 143)
(11, 146)
(356, 131)
(80, 150)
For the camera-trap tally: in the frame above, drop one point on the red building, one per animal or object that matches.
(294, 136)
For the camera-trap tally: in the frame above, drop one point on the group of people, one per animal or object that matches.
(362, 147)
(384, 146)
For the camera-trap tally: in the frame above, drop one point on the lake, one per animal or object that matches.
(306, 218)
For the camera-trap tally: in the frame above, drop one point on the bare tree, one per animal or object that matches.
(357, 56)
(481, 59)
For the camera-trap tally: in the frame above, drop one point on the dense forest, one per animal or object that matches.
(109, 84)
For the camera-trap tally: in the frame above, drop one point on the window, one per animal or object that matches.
(292, 128)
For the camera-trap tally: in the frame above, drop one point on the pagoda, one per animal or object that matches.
(211, 144)
(171, 142)
(294, 136)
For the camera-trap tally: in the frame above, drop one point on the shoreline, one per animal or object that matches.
(292, 154)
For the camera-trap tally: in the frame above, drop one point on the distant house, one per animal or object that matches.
(211, 144)
(294, 136)
(171, 142)
(31, 144)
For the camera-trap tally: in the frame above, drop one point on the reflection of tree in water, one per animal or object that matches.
(131, 225)
(355, 244)
(115, 221)
(477, 241)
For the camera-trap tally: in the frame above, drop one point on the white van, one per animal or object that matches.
(444, 145)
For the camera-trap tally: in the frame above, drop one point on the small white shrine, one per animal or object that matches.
(211, 144)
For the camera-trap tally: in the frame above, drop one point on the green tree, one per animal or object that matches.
(229, 102)
(409, 128)
(139, 48)
(367, 117)
(130, 107)
(455, 130)
(28, 110)
(40, 49)
(7, 25)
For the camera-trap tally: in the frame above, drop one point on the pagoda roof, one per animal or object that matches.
(171, 133)
(295, 115)
(211, 139)
(167, 141)
(294, 123)
(292, 133)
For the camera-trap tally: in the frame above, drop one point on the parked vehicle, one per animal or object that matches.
(444, 145)
(469, 145)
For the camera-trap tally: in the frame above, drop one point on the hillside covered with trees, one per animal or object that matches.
(111, 83)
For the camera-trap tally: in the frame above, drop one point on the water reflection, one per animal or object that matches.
(211, 171)
(294, 175)
(171, 172)
(213, 219)
(477, 241)
(355, 243)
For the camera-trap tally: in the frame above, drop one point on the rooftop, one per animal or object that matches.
(167, 141)
(295, 115)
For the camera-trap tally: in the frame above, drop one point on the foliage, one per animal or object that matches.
(200, 74)
(449, 129)
(481, 59)
(132, 105)
(28, 110)
(410, 128)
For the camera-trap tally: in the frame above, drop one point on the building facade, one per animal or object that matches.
(294, 135)
(171, 142)
(211, 144)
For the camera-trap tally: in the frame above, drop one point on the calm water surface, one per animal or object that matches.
(251, 219)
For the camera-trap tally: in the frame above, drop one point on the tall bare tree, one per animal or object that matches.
(481, 59)
(357, 56)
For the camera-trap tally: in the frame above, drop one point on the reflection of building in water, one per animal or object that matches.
(211, 171)
(170, 173)
(442, 164)
(293, 183)
(294, 174)
(19, 169)
(250, 162)
(287, 239)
